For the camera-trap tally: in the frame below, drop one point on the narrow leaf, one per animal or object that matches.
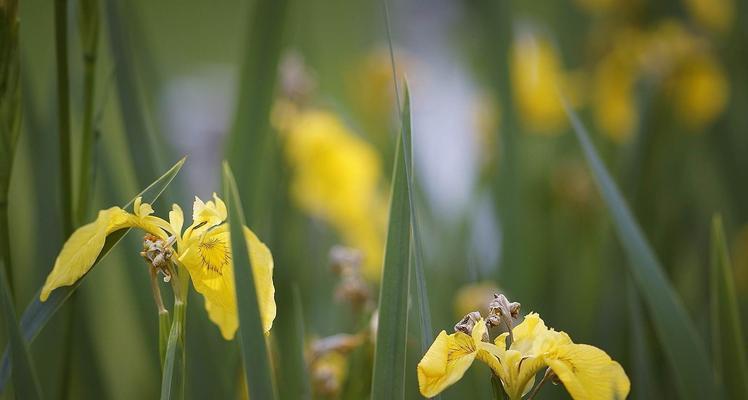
(728, 342)
(250, 141)
(388, 380)
(24, 378)
(37, 314)
(424, 311)
(254, 350)
(675, 331)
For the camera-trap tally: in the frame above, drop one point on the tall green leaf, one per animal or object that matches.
(255, 354)
(63, 115)
(388, 381)
(10, 118)
(675, 331)
(424, 311)
(249, 141)
(728, 342)
(146, 149)
(24, 378)
(37, 314)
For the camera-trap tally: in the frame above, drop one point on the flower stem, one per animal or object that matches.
(497, 388)
(548, 376)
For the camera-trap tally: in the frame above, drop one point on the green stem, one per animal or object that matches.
(63, 113)
(164, 325)
(548, 376)
(497, 388)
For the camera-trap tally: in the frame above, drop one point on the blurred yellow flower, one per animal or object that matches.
(700, 90)
(537, 76)
(473, 297)
(693, 79)
(613, 96)
(586, 371)
(716, 15)
(337, 178)
(203, 249)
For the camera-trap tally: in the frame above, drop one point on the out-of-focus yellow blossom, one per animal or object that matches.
(203, 249)
(699, 90)
(537, 75)
(613, 97)
(329, 373)
(716, 15)
(487, 118)
(586, 371)
(370, 87)
(694, 80)
(473, 297)
(337, 178)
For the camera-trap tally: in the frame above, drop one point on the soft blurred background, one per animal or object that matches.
(299, 96)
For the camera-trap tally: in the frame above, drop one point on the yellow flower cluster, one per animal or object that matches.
(692, 77)
(203, 249)
(337, 178)
(585, 371)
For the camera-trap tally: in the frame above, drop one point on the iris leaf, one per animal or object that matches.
(388, 381)
(728, 342)
(684, 349)
(254, 350)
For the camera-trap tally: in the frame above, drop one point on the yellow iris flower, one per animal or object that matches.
(203, 249)
(586, 371)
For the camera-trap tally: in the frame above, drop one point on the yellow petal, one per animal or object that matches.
(262, 272)
(210, 265)
(589, 373)
(176, 219)
(445, 362)
(83, 247)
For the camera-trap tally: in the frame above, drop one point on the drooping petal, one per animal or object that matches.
(209, 262)
(83, 247)
(589, 373)
(262, 272)
(445, 362)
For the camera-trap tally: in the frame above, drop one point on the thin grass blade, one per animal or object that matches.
(254, 350)
(37, 314)
(24, 377)
(728, 341)
(388, 380)
(675, 331)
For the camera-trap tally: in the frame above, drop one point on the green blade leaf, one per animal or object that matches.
(250, 141)
(388, 381)
(675, 331)
(728, 346)
(24, 377)
(37, 314)
(255, 354)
